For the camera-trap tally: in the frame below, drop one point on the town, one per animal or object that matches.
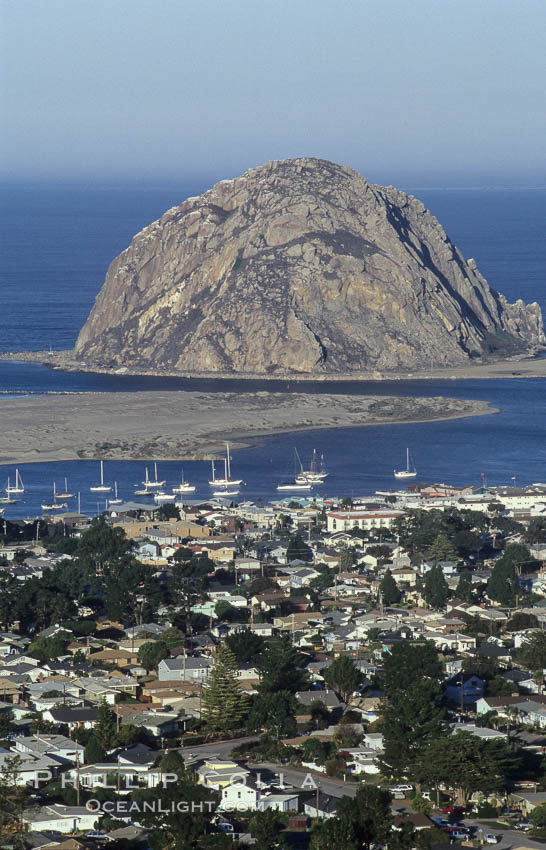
(206, 674)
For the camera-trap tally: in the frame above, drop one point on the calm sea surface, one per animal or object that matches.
(56, 244)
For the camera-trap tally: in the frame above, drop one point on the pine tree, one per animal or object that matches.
(224, 704)
(436, 589)
(442, 549)
(464, 587)
(388, 589)
(104, 732)
(502, 584)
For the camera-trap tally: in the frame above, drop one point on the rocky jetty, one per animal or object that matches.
(300, 266)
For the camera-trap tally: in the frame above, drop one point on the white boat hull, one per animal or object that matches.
(184, 488)
(405, 474)
(295, 486)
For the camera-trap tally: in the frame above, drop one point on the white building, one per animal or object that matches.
(367, 520)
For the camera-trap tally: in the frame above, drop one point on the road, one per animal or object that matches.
(307, 780)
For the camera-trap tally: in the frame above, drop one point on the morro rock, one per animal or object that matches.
(300, 266)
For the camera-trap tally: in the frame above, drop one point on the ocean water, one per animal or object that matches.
(56, 244)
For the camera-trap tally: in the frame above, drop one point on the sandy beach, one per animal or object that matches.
(191, 425)
(516, 367)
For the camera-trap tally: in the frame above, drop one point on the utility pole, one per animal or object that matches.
(77, 773)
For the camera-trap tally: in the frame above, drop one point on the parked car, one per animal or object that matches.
(450, 810)
(401, 787)
(490, 838)
(458, 833)
(524, 825)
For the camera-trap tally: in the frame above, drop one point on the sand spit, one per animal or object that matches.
(192, 425)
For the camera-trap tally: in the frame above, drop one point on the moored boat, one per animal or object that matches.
(408, 472)
(102, 487)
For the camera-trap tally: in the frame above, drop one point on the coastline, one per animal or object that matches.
(181, 425)
(516, 367)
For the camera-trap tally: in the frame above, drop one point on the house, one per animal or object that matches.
(185, 669)
(156, 724)
(74, 718)
(319, 805)
(56, 746)
(248, 795)
(479, 732)
(464, 688)
(58, 818)
(218, 773)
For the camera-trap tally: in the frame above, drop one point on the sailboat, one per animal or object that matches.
(155, 483)
(65, 494)
(55, 505)
(102, 487)
(115, 500)
(145, 491)
(160, 496)
(313, 475)
(7, 500)
(227, 480)
(184, 487)
(408, 472)
(298, 483)
(226, 487)
(19, 486)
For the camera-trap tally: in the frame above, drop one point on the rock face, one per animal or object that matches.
(300, 266)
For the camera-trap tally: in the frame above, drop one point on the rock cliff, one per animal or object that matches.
(300, 266)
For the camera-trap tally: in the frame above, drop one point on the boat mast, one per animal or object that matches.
(228, 467)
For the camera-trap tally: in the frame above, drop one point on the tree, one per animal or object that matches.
(410, 720)
(94, 751)
(298, 550)
(12, 801)
(280, 667)
(409, 663)
(466, 542)
(410, 713)
(274, 713)
(359, 823)
(465, 764)
(265, 827)
(532, 653)
(538, 815)
(105, 728)
(442, 549)
(499, 687)
(246, 646)
(536, 532)
(521, 621)
(224, 704)
(388, 590)
(436, 590)
(502, 584)
(167, 511)
(464, 587)
(422, 806)
(227, 612)
(151, 653)
(343, 676)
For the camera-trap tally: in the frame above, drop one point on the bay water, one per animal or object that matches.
(56, 244)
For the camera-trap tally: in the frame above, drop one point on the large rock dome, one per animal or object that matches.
(300, 266)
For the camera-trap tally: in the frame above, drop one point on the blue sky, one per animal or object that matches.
(423, 91)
